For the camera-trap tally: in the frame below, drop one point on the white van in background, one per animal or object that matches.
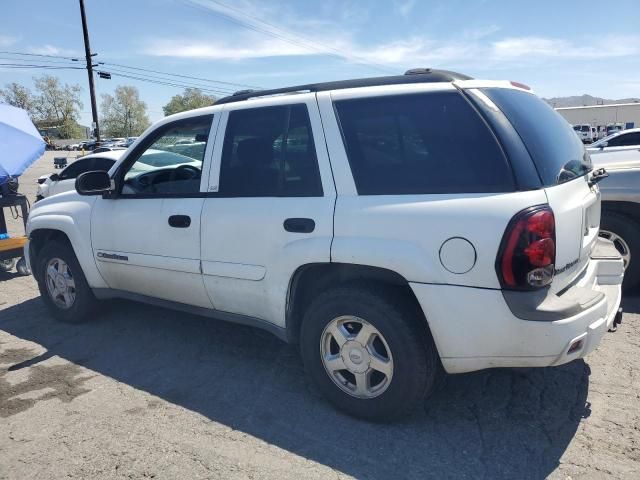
(583, 130)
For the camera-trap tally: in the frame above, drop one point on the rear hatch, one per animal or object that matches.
(564, 168)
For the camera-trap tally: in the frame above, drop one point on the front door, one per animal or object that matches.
(146, 240)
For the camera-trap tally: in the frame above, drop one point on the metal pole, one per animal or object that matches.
(87, 50)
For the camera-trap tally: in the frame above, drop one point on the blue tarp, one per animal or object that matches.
(20, 142)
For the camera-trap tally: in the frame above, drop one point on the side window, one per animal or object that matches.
(421, 144)
(75, 169)
(626, 140)
(617, 141)
(269, 152)
(170, 160)
(103, 164)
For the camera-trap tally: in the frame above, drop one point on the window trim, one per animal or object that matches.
(146, 142)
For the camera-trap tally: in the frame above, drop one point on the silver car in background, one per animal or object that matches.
(620, 220)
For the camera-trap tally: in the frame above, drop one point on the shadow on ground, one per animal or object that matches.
(493, 424)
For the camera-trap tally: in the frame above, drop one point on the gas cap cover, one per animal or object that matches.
(458, 255)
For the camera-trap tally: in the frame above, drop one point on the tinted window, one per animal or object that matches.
(269, 152)
(170, 160)
(75, 169)
(557, 152)
(103, 164)
(625, 140)
(419, 144)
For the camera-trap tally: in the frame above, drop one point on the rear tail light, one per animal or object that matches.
(527, 256)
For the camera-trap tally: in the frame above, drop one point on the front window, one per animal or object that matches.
(170, 162)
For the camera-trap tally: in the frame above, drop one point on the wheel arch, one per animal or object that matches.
(311, 279)
(630, 209)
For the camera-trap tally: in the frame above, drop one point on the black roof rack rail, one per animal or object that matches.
(415, 75)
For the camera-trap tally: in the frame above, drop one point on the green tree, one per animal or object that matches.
(123, 114)
(191, 98)
(57, 105)
(18, 96)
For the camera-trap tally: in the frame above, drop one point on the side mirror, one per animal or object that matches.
(94, 183)
(54, 177)
(604, 144)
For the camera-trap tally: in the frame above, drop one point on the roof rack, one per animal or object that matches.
(415, 75)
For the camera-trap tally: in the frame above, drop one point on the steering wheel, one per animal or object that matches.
(185, 172)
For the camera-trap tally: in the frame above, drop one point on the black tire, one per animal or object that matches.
(628, 229)
(83, 307)
(416, 364)
(7, 265)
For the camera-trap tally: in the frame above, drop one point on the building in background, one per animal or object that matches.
(627, 115)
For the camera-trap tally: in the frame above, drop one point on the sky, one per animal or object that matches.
(559, 48)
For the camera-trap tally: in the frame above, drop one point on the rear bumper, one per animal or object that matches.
(477, 328)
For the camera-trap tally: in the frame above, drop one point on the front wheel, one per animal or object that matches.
(624, 232)
(368, 351)
(62, 283)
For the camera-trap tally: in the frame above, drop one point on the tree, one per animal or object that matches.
(18, 96)
(124, 114)
(57, 105)
(190, 99)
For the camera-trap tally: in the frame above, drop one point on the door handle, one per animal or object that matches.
(299, 225)
(179, 221)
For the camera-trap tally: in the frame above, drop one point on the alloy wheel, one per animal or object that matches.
(60, 283)
(356, 357)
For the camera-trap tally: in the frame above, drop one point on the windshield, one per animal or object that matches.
(585, 128)
(557, 152)
(576, 128)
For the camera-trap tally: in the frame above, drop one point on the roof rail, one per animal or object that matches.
(415, 75)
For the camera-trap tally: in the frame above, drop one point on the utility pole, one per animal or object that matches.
(87, 50)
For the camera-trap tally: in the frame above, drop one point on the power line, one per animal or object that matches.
(48, 67)
(181, 76)
(284, 35)
(74, 59)
(116, 71)
(160, 82)
(129, 67)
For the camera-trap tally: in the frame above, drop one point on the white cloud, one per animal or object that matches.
(6, 40)
(273, 31)
(51, 50)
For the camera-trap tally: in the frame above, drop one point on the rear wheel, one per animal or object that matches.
(624, 232)
(368, 352)
(62, 283)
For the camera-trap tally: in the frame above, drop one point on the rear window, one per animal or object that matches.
(421, 144)
(557, 152)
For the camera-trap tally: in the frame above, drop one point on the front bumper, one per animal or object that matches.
(476, 328)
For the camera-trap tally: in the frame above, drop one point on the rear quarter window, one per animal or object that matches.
(556, 151)
(421, 144)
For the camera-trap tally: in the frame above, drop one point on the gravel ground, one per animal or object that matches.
(141, 392)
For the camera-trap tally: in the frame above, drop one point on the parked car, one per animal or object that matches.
(622, 140)
(64, 181)
(614, 127)
(621, 209)
(108, 149)
(583, 131)
(389, 227)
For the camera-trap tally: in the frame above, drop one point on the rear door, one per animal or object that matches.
(270, 204)
(563, 166)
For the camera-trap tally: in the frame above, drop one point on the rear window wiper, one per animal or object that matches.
(597, 176)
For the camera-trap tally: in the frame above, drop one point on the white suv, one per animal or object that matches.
(388, 226)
